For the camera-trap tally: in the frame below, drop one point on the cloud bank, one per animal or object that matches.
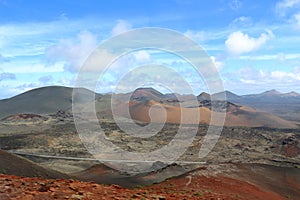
(121, 27)
(73, 53)
(238, 42)
(7, 76)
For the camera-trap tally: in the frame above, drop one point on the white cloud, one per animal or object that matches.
(3, 59)
(121, 27)
(247, 81)
(7, 76)
(142, 57)
(75, 51)
(195, 35)
(266, 79)
(46, 79)
(219, 65)
(241, 22)
(71, 52)
(32, 38)
(297, 19)
(67, 81)
(286, 76)
(24, 67)
(296, 69)
(280, 57)
(289, 9)
(238, 43)
(255, 81)
(283, 6)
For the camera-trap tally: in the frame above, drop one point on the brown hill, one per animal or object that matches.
(144, 111)
(235, 115)
(19, 166)
(103, 174)
(249, 117)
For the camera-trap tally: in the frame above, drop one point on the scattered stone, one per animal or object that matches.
(44, 188)
(76, 196)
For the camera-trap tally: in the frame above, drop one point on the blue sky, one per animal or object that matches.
(255, 45)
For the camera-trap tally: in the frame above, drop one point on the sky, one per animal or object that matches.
(255, 46)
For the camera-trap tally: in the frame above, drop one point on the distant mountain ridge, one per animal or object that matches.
(274, 93)
(148, 93)
(284, 105)
(51, 99)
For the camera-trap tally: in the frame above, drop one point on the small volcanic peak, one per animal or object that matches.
(275, 93)
(203, 96)
(271, 93)
(141, 94)
(219, 106)
(291, 94)
(225, 94)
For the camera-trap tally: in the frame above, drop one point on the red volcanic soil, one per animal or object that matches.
(217, 187)
(291, 151)
(195, 187)
(24, 117)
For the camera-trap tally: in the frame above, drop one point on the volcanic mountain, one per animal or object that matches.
(235, 116)
(146, 94)
(283, 105)
(43, 100)
(145, 103)
(148, 105)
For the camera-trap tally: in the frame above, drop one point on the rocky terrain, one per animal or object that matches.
(202, 183)
(56, 137)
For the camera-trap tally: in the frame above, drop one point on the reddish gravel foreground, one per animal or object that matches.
(199, 187)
